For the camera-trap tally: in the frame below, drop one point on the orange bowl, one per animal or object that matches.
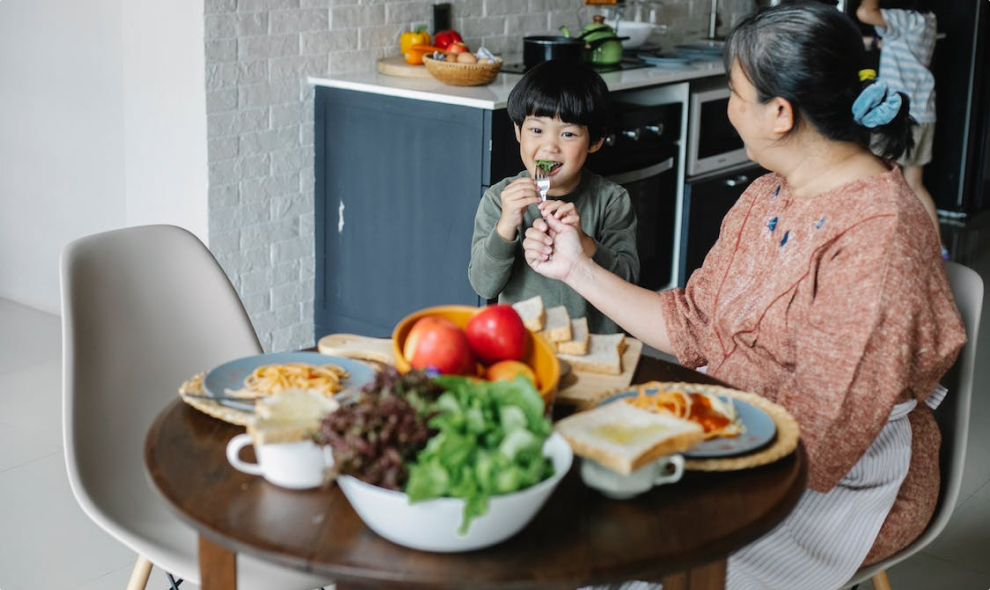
(540, 354)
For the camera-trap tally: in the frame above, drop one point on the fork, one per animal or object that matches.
(542, 179)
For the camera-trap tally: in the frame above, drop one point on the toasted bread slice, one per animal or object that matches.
(604, 355)
(558, 324)
(578, 344)
(532, 312)
(624, 438)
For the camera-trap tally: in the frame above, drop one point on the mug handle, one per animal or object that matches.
(233, 454)
(678, 462)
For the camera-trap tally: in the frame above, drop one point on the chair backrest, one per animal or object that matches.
(143, 309)
(952, 415)
(954, 412)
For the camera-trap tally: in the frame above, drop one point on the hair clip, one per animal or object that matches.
(867, 74)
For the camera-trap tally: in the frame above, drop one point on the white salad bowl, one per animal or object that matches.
(431, 525)
(638, 32)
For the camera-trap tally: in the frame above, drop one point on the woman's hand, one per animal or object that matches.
(516, 197)
(553, 248)
(568, 214)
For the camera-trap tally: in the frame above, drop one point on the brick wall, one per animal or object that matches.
(260, 120)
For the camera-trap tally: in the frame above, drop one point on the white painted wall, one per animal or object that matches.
(102, 125)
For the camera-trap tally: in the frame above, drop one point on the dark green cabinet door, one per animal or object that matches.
(398, 182)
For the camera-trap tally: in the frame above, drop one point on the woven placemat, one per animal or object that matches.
(784, 442)
(194, 386)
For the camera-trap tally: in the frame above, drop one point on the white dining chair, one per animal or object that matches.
(952, 416)
(143, 309)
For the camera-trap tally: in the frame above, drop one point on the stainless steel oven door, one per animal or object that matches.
(713, 143)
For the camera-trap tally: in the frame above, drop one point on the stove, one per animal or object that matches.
(629, 62)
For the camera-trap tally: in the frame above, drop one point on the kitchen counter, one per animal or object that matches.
(495, 95)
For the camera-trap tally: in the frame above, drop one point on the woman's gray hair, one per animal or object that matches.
(810, 54)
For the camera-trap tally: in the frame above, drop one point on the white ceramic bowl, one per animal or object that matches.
(638, 32)
(432, 525)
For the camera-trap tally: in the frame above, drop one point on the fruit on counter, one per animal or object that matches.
(414, 55)
(443, 39)
(509, 370)
(438, 342)
(410, 38)
(497, 333)
(458, 47)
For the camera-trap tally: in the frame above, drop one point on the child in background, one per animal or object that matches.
(560, 110)
(908, 34)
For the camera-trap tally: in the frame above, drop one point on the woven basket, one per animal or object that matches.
(462, 74)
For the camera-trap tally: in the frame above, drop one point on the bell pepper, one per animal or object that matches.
(410, 38)
(415, 54)
(443, 39)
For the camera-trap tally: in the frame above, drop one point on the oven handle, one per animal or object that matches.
(643, 173)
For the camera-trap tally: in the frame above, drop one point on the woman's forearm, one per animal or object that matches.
(635, 309)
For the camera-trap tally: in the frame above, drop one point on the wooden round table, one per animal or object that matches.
(680, 534)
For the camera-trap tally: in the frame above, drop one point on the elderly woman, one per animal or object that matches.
(824, 293)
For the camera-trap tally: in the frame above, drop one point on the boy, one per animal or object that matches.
(560, 111)
(908, 35)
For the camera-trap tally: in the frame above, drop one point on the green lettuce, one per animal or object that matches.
(489, 442)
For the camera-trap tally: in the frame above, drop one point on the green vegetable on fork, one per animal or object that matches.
(547, 165)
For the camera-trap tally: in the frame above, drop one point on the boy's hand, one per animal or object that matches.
(516, 197)
(568, 214)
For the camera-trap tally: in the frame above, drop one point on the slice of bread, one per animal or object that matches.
(624, 438)
(532, 312)
(578, 344)
(558, 324)
(604, 355)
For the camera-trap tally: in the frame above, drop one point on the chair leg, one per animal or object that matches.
(880, 581)
(140, 574)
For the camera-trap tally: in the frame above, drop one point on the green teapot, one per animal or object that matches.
(602, 47)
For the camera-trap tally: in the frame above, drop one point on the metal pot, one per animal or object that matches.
(541, 48)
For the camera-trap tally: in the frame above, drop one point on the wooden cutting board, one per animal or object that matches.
(581, 389)
(578, 388)
(397, 66)
(363, 348)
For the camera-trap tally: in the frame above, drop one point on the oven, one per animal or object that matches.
(712, 142)
(642, 155)
(717, 173)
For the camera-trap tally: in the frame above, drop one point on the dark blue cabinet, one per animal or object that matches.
(398, 182)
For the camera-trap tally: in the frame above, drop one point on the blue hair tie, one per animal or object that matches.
(876, 105)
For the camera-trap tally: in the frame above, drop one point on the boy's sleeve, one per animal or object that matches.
(491, 256)
(616, 238)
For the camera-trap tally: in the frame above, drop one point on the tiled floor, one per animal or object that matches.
(47, 542)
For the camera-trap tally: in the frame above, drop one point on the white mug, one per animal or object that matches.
(296, 465)
(616, 485)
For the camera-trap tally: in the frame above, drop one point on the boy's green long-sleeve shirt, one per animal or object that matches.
(499, 270)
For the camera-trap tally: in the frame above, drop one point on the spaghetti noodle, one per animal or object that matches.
(717, 417)
(268, 380)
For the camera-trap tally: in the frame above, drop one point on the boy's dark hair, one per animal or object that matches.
(563, 88)
(810, 55)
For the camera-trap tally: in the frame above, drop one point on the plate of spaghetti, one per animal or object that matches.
(264, 375)
(732, 426)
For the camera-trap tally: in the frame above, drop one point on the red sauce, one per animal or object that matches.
(703, 414)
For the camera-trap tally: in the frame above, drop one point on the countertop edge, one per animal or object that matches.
(495, 96)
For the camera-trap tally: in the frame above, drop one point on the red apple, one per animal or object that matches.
(497, 333)
(438, 342)
(509, 370)
(457, 47)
